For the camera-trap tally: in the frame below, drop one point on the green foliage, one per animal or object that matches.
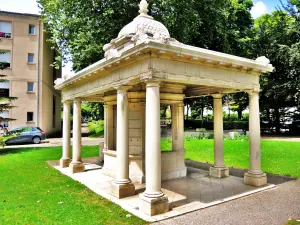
(5, 138)
(96, 128)
(81, 28)
(93, 110)
(278, 38)
(237, 137)
(209, 125)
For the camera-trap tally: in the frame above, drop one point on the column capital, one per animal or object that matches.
(181, 104)
(77, 100)
(67, 102)
(152, 83)
(252, 92)
(123, 88)
(217, 96)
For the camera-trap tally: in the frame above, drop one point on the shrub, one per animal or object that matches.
(238, 137)
(96, 127)
(209, 125)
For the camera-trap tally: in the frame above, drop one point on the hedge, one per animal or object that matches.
(209, 125)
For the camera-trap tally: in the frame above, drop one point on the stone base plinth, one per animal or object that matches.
(153, 206)
(122, 190)
(76, 167)
(255, 180)
(218, 172)
(64, 163)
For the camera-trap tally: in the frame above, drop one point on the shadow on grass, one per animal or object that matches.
(6, 151)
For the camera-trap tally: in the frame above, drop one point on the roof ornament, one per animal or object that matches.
(144, 7)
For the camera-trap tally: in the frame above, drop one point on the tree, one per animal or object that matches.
(81, 28)
(277, 40)
(240, 102)
(5, 99)
(5, 104)
(199, 105)
(94, 110)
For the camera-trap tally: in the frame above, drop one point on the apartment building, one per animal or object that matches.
(30, 77)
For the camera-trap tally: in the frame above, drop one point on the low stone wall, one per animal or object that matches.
(172, 166)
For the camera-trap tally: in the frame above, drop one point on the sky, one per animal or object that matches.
(30, 6)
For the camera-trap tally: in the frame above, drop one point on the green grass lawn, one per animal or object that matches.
(31, 192)
(278, 157)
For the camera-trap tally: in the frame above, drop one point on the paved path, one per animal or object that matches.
(271, 207)
(296, 139)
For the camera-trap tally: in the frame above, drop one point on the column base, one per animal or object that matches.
(122, 190)
(219, 172)
(256, 180)
(64, 162)
(153, 206)
(76, 167)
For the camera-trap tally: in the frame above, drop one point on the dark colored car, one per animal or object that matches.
(295, 127)
(27, 135)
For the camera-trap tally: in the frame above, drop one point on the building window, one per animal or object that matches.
(5, 58)
(30, 58)
(4, 114)
(29, 116)
(31, 29)
(4, 89)
(30, 87)
(5, 29)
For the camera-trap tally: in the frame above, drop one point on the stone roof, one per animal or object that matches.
(145, 24)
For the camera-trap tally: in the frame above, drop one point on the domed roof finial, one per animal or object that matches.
(143, 7)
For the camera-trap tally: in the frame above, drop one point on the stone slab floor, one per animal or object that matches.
(196, 191)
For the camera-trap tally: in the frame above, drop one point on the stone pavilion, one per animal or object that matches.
(143, 69)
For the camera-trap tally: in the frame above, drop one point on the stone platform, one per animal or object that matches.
(196, 191)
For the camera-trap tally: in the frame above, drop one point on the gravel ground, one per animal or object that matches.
(274, 206)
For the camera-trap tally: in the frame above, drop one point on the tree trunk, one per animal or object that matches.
(268, 114)
(277, 120)
(240, 114)
(202, 113)
(187, 111)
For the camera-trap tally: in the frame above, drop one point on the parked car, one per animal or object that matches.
(295, 127)
(27, 135)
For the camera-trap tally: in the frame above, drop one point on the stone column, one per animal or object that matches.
(108, 131)
(178, 137)
(254, 176)
(108, 127)
(65, 160)
(122, 186)
(219, 170)
(174, 127)
(153, 201)
(76, 165)
(143, 126)
(180, 127)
